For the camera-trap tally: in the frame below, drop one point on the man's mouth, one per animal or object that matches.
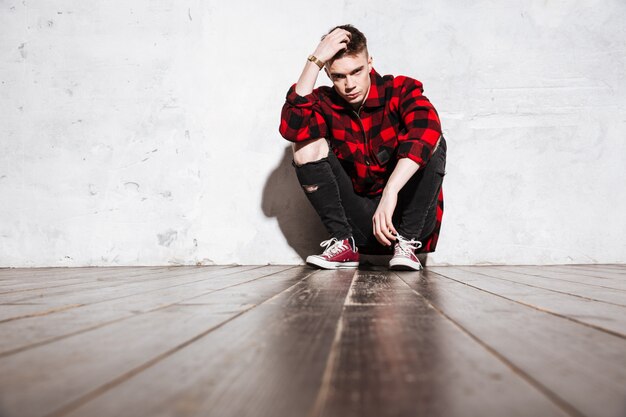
(352, 96)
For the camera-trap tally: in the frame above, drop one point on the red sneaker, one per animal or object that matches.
(337, 254)
(404, 257)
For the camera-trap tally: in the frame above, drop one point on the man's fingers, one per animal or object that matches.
(385, 229)
(342, 43)
(339, 32)
(341, 37)
(381, 231)
(332, 43)
(382, 239)
(388, 234)
(391, 228)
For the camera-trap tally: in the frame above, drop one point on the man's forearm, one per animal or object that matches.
(306, 82)
(404, 170)
(329, 46)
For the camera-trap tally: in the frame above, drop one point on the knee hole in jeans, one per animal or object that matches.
(310, 188)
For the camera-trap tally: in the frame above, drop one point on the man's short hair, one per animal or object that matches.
(357, 44)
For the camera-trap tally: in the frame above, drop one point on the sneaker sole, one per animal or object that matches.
(404, 264)
(331, 265)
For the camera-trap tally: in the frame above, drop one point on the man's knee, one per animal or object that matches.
(310, 151)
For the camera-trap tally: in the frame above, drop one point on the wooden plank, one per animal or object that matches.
(598, 277)
(9, 281)
(592, 270)
(38, 292)
(614, 269)
(603, 316)
(619, 267)
(73, 276)
(96, 282)
(25, 273)
(53, 377)
(534, 279)
(578, 365)
(567, 274)
(30, 332)
(397, 356)
(34, 275)
(24, 307)
(52, 277)
(268, 362)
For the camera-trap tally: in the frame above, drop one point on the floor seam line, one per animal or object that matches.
(190, 274)
(114, 298)
(561, 279)
(84, 399)
(322, 394)
(555, 399)
(543, 288)
(595, 327)
(78, 283)
(61, 337)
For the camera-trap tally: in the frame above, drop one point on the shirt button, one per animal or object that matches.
(367, 162)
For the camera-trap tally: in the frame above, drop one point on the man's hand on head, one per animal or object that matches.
(332, 43)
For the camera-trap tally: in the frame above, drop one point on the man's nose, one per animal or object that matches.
(349, 83)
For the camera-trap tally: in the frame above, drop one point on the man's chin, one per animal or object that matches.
(353, 100)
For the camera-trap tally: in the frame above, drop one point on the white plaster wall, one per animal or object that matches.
(145, 132)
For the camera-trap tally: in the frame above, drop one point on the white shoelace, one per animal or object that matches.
(332, 246)
(407, 247)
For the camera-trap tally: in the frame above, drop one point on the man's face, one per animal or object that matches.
(350, 76)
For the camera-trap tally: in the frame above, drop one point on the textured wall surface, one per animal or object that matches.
(146, 132)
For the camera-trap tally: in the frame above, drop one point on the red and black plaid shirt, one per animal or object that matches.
(395, 121)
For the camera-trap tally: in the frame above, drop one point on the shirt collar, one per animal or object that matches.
(375, 97)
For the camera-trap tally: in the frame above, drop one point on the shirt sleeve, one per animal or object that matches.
(300, 118)
(420, 118)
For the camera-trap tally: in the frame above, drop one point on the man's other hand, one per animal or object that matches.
(383, 228)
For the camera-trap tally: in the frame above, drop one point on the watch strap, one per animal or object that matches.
(316, 61)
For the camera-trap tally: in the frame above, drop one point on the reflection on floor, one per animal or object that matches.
(294, 341)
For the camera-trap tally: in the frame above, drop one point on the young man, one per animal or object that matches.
(368, 153)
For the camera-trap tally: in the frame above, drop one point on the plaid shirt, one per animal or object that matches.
(395, 121)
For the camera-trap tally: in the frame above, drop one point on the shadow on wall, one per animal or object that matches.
(284, 199)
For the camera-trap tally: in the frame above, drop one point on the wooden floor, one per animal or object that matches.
(292, 341)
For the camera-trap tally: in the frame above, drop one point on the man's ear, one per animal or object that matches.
(370, 63)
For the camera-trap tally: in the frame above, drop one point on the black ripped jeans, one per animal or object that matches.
(345, 213)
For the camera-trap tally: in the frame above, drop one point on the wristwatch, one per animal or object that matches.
(316, 61)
